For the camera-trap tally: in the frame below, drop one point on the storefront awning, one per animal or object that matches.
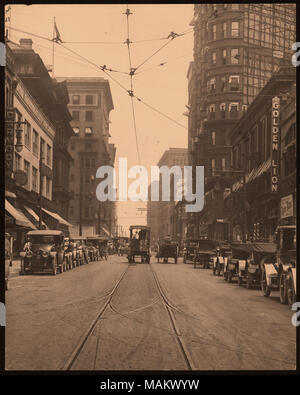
(57, 217)
(105, 230)
(34, 215)
(258, 171)
(20, 218)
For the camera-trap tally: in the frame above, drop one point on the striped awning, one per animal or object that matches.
(258, 171)
(19, 217)
(57, 217)
(34, 215)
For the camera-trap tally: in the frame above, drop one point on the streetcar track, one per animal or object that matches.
(76, 352)
(175, 330)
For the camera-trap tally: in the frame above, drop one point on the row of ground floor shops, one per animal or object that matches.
(248, 211)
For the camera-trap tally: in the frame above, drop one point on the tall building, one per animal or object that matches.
(90, 105)
(237, 48)
(38, 103)
(160, 214)
(264, 195)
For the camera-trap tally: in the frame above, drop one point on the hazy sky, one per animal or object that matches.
(164, 87)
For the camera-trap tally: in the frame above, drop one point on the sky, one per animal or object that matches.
(162, 87)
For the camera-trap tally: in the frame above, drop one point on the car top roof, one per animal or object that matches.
(45, 233)
(139, 227)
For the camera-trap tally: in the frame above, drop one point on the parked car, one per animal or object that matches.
(93, 247)
(223, 252)
(167, 248)
(236, 261)
(44, 252)
(189, 248)
(258, 253)
(281, 274)
(204, 253)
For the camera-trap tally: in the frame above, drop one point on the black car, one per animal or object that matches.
(43, 252)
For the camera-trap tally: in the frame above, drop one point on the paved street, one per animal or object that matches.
(220, 325)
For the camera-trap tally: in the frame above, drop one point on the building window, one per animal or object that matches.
(213, 138)
(27, 134)
(87, 163)
(76, 99)
(35, 143)
(89, 115)
(75, 115)
(48, 155)
(214, 32)
(214, 58)
(93, 163)
(88, 131)
(235, 29)
(224, 29)
(89, 99)
(42, 149)
(223, 110)
(234, 56)
(87, 178)
(212, 85)
(27, 171)
(48, 187)
(17, 162)
(34, 179)
(224, 56)
(76, 130)
(234, 82)
(233, 109)
(213, 167)
(235, 7)
(223, 164)
(212, 111)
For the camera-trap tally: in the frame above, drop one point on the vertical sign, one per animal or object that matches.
(9, 141)
(275, 143)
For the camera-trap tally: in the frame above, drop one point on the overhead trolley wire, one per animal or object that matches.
(107, 71)
(132, 70)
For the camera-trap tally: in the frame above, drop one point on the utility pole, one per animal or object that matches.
(41, 186)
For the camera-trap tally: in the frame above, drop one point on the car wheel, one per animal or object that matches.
(266, 290)
(291, 295)
(283, 289)
(249, 282)
(54, 267)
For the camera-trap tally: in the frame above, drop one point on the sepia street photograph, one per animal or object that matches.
(150, 188)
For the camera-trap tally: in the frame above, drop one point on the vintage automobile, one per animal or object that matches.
(139, 243)
(204, 253)
(281, 274)
(8, 257)
(80, 250)
(103, 248)
(68, 248)
(189, 249)
(167, 248)
(223, 252)
(236, 261)
(258, 253)
(93, 247)
(45, 253)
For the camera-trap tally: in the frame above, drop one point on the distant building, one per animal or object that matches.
(161, 214)
(90, 105)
